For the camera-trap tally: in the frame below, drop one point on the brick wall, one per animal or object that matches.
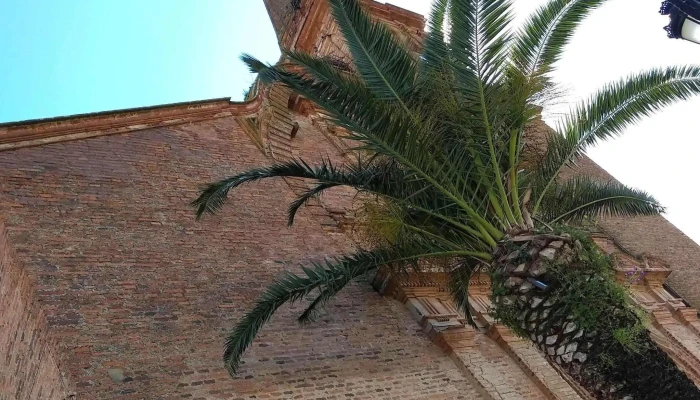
(142, 295)
(29, 364)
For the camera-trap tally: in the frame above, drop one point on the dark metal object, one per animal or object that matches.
(679, 12)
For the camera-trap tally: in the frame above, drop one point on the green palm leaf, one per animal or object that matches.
(612, 109)
(388, 69)
(458, 284)
(377, 178)
(290, 288)
(478, 42)
(346, 100)
(582, 197)
(541, 41)
(329, 277)
(370, 178)
(435, 53)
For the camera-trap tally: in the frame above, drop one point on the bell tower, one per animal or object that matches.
(282, 13)
(308, 25)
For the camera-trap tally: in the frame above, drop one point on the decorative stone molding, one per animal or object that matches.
(426, 296)
(276, 124)
(251, 127)
(681, 356)
(43, 131)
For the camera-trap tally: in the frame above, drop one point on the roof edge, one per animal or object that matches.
(80, 126)
(109, 112)
(388, 12)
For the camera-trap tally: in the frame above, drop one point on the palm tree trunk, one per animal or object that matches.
(536, 302)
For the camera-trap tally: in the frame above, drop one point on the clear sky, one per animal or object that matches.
(60, 57)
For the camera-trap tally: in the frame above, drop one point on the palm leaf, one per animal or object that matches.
(304, 198)
(478, 39)
(435, 53)
(329, 278)
(290, 288)
(387, 67)
(606, 115)
(377, 178)
(582, 197)
(345, 99)
(213, 196)
(322, 70)
(541, 41)
(458, 284)
(478, 48)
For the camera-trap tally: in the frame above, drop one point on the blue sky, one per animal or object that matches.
(62, 57)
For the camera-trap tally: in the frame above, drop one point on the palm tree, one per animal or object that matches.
(440, 154)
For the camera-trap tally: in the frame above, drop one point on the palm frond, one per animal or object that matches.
(541, 41)
(304, 198)
(329, 277)
(345, 99)
(290, 288)
(322, 69)
(606, 115)
(387, 67)
(435, 53)
(428, 209)
(376, 178)
(458, 283)
(378, 124)
(213, 196)
(478, 41)
(582, 197)
(620, 104)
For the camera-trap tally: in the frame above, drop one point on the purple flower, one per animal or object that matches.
(635, 276)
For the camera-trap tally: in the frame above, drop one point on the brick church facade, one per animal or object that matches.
(109, 288)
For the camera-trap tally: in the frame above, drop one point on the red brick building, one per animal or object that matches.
(109, 289)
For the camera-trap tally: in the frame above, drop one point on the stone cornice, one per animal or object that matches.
(43, 131)
(393, 14)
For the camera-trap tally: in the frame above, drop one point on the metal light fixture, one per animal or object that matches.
(685, 19)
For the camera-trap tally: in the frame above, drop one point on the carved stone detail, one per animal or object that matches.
(427, 298)
(676, 327)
